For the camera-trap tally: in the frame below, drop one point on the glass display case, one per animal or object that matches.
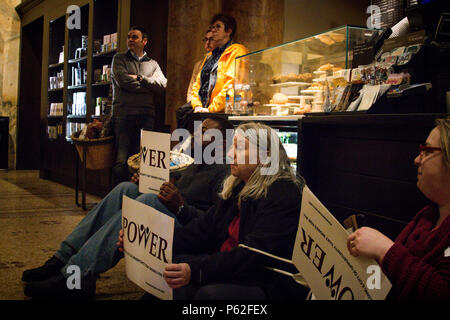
(296, 77)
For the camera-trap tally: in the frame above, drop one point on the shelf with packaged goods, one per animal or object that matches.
(56, 90)
(59, 65)
(105, 54)
(76, 118)
(78, 87)
(101, 84)
(78, 60)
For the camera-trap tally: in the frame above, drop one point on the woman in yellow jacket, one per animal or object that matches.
(210, 89)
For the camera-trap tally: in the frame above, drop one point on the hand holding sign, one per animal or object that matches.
(368, 242)
(320, 253)
(177, 275)
(170, 196)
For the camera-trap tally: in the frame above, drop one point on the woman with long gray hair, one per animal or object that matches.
(259, 207)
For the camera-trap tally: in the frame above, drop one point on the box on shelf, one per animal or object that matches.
(106, 38)
(113, 37)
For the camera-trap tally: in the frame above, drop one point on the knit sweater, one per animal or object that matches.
(130, 96)
(416, 264)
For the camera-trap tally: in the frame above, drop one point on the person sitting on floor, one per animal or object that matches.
(91, 246)
(259, 207)
(418, 262)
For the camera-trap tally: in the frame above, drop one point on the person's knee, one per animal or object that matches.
(127, 188)
(149, 199)
(209, 292)
(120, 173)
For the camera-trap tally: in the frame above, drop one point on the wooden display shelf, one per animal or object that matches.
(105, 53)
(103, 83)
(81, 86)
(79, 60)
(56, 90)
(56, 65)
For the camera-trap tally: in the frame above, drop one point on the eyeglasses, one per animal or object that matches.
(215, 26)
(208, 39)
(426, 150)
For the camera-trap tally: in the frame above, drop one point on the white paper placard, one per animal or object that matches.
(147, 243)
(322, 257)
(154, 167)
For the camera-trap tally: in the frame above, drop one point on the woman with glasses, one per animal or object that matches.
(218, 67)
(418, 262)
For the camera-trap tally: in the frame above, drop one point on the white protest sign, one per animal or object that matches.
(147, 243)
(321, 255)
(154, 167)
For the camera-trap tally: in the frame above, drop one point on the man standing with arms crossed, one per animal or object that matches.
(135, 80)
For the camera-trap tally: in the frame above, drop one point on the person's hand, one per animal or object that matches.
(119, 244)
(134, 76)
(200, 109)
(177, 275)
(170, 196)
(135, 178)
(368, 242)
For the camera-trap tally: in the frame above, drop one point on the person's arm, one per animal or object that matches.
(413, 277)
(195, 72)
(227, 74)
(189, 212)
(157, 79)
(171, 197)
(123, 79)
(274, 231)
(195, 98)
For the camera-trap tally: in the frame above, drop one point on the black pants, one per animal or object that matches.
(220, 291)
(184, 117)
(127, 133)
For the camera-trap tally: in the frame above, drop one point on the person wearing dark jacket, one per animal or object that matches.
(135, 79)
(91, 245)
(259, 207)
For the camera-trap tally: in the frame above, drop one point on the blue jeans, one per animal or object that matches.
(92, 244)
(127, 134)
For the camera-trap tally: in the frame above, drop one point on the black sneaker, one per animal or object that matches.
(56, 288)
(50, 268)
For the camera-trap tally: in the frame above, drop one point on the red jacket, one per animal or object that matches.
(416, 264)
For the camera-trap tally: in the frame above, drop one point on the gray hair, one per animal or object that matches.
(273, 163)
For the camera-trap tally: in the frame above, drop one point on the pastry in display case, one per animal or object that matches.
(294, 78)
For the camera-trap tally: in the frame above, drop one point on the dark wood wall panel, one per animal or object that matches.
(364, 164)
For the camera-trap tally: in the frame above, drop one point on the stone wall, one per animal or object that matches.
(9, 65)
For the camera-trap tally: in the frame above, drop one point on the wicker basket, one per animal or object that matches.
(99, 152)
(175, 159)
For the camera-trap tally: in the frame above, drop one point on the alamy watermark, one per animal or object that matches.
(252, 146)
(374, 20)
(74, 18)
(74, 279)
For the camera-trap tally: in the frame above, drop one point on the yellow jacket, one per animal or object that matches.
(225, 77)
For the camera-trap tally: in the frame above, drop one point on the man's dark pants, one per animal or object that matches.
(127, 132)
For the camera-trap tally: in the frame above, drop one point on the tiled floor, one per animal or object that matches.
(35, 216)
